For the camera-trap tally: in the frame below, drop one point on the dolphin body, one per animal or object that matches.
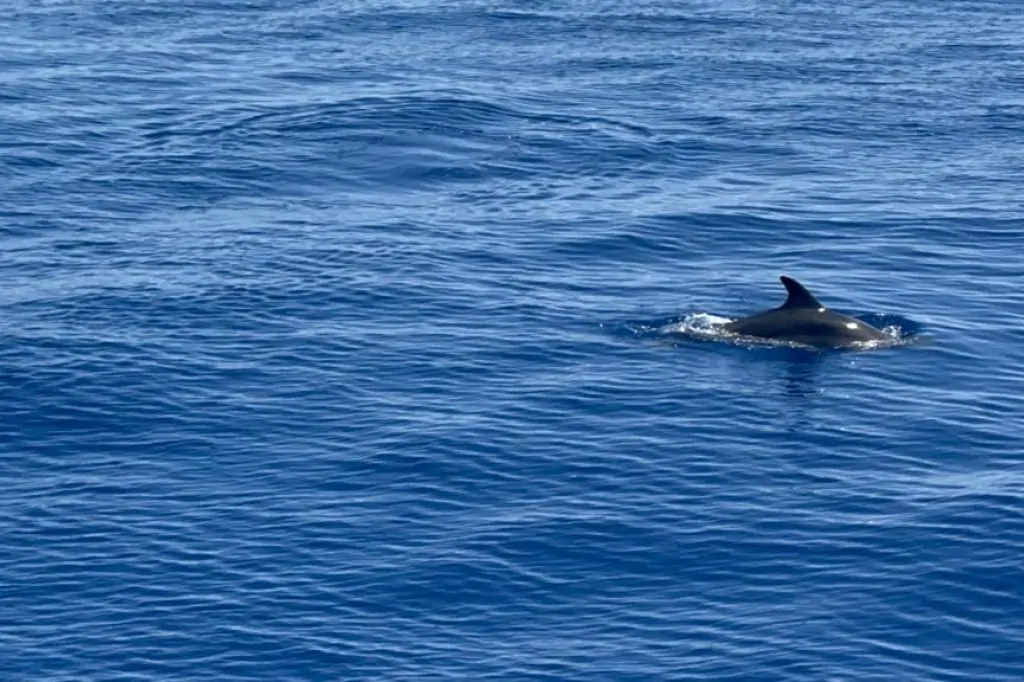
(803, 319)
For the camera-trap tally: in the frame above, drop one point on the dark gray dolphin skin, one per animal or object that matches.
(803, 319)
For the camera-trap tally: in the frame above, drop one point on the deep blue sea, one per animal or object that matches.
(347, 341)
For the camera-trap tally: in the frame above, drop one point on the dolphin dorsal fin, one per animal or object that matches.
(799, 297)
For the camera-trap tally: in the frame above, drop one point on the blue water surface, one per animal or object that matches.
(332, 341)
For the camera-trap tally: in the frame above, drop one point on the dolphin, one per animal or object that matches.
(803, 319)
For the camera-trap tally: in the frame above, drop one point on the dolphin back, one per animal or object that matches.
(805, 320)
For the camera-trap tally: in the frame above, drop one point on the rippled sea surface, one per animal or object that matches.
(333, 341)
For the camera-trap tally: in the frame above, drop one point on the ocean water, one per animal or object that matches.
(337, 341)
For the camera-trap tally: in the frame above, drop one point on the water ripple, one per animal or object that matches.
(329, 341)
